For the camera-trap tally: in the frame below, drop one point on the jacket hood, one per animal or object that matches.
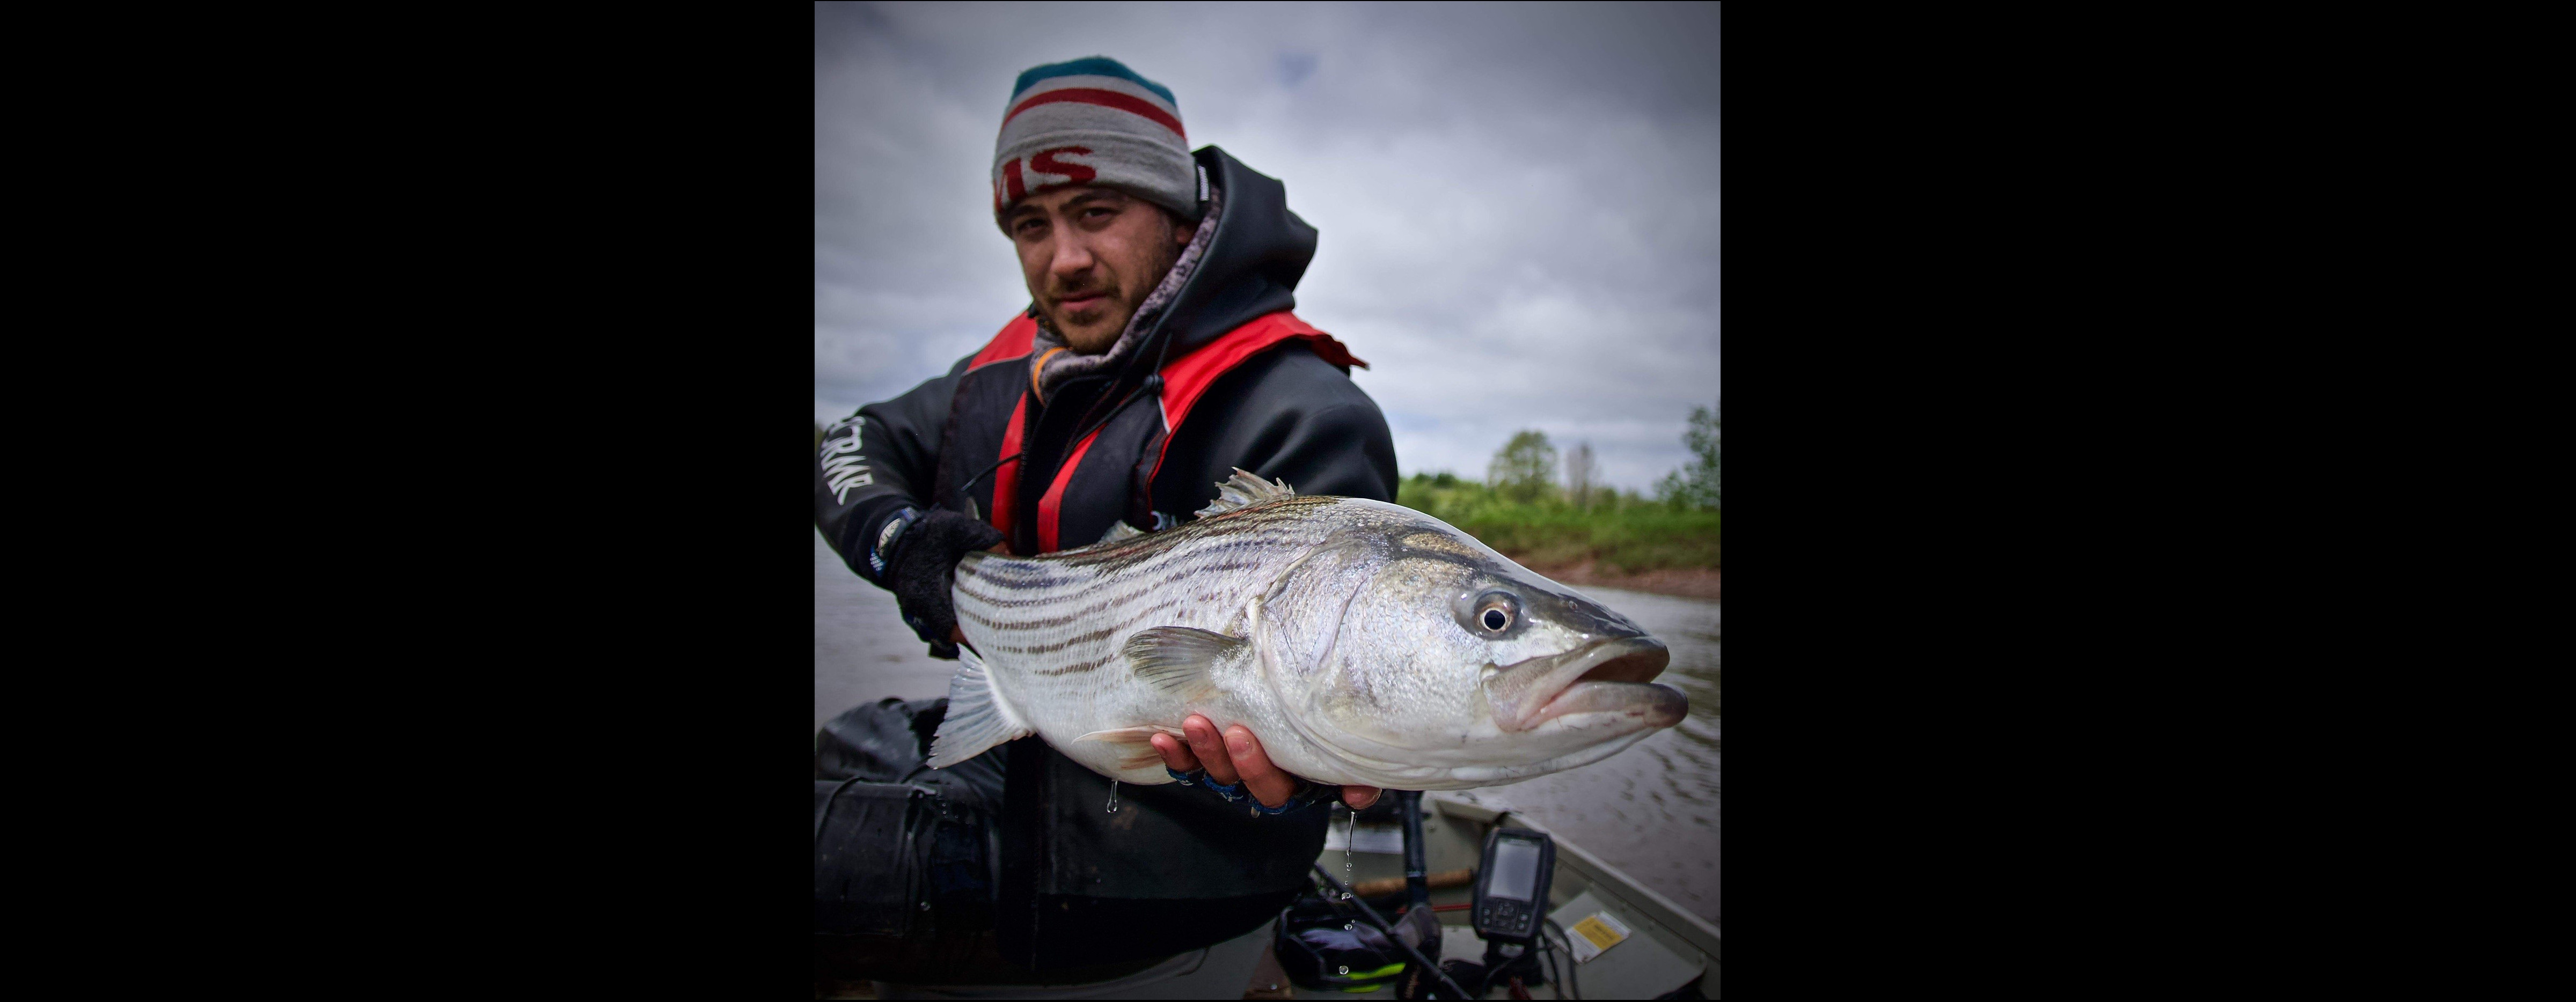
(1251, 268)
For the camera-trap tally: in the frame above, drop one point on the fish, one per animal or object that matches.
(1362, 642)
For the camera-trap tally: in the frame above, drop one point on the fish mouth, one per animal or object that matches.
(1608, 676)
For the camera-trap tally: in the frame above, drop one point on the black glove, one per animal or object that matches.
(924, 567)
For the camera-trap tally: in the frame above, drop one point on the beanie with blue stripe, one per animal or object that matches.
(1094, 122)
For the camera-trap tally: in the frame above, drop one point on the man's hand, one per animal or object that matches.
(925, 563)
(957, 636)
(1238, 758)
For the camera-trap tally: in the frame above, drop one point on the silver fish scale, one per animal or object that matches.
(1051, 628)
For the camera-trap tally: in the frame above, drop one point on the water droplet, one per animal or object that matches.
(1343, 970)
(1113, 796)
(1349, 832)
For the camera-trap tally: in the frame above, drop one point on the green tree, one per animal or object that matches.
(1525, 469)
(1695, 485)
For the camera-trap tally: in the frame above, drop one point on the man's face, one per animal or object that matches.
(1091, 256)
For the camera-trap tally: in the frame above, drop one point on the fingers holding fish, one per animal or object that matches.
(1210, 750)
(1268, 783)
(1241, 759)
(1176, 756)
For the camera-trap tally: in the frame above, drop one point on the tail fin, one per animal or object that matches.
(977, 718)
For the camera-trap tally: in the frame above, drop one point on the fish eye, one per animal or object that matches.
(1496, 619)
(1496, 611)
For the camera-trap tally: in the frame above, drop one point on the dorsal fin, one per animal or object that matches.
(1119, 530)
(1244, 490)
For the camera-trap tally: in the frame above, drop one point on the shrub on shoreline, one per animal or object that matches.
(1623, 532)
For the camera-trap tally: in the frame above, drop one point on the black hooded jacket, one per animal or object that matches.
(1286, 414)
(1180, 869)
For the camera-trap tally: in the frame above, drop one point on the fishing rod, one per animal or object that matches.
(1371, 914)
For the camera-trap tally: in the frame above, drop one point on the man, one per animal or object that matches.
(1157, 354)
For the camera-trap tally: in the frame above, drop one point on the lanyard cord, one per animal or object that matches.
(1153, 386)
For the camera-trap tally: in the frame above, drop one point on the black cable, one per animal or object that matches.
(1570, 963)
(1153, 386)
(970, 481)
(819, 819)
(1547, 951)
(1380, 923)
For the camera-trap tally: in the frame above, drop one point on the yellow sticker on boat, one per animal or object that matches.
(1597, 932)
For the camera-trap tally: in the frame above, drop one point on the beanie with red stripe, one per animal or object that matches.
(1095, 122)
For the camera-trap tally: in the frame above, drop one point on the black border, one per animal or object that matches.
(1955, 342)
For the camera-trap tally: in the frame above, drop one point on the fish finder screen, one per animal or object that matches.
(1515, 869)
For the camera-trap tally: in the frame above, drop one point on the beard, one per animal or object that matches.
(1098, 325)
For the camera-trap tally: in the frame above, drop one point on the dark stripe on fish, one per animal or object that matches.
(1065, 620)
(1092, 637)
(1213, 565)
(1079, 666)
(1208, 560)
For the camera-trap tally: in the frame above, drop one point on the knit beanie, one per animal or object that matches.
(1094, 121)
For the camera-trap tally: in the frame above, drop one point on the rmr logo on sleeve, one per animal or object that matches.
(843, 467)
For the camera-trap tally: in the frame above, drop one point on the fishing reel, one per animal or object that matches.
(1323, 946)
(1337, 942)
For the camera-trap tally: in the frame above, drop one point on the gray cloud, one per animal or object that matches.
(1518, 205)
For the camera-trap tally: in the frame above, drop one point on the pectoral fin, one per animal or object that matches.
(1179, 659)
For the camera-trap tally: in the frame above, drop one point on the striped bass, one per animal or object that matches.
(1362, 642)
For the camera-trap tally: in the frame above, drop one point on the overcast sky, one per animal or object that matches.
(1517, 204)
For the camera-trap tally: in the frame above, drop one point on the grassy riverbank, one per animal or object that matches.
(1620, 540)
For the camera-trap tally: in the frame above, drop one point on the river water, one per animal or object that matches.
(1651, 810)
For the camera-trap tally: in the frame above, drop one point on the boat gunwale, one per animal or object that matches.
(1698, 933)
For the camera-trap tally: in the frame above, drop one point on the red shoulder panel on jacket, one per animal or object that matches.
(1186, 378)
(1013, 342)
(1006, 476)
